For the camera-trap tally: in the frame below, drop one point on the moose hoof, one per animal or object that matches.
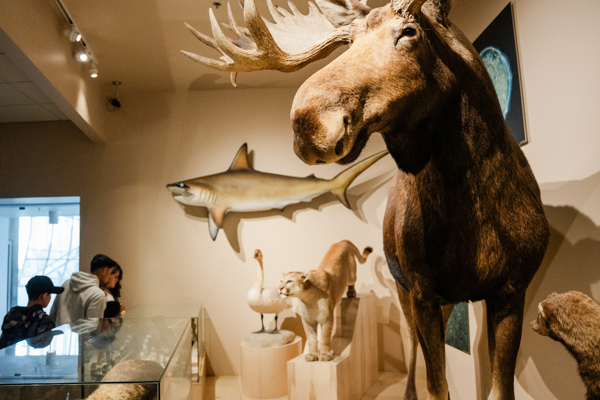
(311, 357)
(325, 357)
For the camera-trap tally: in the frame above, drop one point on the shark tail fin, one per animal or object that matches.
(346, 177)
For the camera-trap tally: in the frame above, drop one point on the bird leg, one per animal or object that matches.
(275, 330)
(262, 324)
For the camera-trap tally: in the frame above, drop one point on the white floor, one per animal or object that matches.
(390, 386)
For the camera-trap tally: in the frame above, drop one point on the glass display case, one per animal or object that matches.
(82, 360)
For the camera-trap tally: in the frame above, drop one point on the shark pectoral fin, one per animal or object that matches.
(240, 161)
(215, 221)
(212, 227)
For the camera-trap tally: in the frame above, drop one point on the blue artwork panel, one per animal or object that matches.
(498, 50)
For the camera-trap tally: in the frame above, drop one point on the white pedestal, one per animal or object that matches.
(353, 370)
(264, 371)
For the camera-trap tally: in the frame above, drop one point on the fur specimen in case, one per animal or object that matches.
(241, 188)
(573, 319)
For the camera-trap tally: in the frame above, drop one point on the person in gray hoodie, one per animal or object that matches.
(83, 297)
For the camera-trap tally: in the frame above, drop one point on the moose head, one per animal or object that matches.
(406, 66)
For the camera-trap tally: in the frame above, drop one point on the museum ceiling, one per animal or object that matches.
(138, 42)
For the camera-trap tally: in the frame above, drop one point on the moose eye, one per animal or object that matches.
(409, 32)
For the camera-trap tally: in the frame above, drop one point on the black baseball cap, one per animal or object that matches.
(39, 285)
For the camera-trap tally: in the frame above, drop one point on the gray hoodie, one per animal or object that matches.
(82, 298)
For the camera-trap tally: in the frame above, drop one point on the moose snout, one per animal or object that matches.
(321, 137)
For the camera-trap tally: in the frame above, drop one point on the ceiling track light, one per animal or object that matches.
(83, 56)
(93, 70)
(73, 34)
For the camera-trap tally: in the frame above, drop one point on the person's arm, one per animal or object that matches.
(45, 325)
(96, 305)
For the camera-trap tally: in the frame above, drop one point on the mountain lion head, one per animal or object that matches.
(292, 283)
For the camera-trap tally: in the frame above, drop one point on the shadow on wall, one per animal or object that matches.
(545, 370)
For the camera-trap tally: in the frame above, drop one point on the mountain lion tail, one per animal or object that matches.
(363, 257)
(341, 182)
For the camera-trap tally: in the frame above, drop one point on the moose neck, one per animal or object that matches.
(465, 129)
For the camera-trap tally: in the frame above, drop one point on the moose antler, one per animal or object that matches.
(292, 42)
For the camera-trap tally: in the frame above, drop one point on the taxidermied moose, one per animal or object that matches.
(464, 219)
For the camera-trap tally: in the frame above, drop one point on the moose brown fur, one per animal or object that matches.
(464, 219)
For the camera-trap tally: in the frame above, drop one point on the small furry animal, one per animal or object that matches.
(130, 371)
(573, 319)
(321, 290)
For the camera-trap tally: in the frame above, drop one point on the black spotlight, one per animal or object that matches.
(113, 103)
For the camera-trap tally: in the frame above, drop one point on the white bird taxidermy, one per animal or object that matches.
(265, 300)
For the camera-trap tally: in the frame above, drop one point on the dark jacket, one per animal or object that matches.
(24, 322)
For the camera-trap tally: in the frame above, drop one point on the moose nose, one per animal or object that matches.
(319, 138)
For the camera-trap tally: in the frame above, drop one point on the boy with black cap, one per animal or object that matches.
(24, 322)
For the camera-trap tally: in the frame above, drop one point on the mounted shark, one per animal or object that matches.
(241, 188)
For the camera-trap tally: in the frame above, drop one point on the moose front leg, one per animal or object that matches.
(413, 343)
(324, 350)
(430, 330)
(505, 320)
(311, 341)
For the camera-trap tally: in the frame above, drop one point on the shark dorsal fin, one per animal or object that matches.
(240, 161)
(311, 176)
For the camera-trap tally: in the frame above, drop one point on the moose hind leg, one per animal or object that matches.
(505, 321)
(413, 344)
(430, 328)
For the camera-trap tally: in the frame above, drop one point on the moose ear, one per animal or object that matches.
(408, 7)
(343, 12)
(305, 275)
(443, 7)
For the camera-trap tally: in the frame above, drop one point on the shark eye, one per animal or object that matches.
(181, 185)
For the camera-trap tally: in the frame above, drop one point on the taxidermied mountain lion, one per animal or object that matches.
(321, 290)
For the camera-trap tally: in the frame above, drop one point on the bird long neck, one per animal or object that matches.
(260, 276)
